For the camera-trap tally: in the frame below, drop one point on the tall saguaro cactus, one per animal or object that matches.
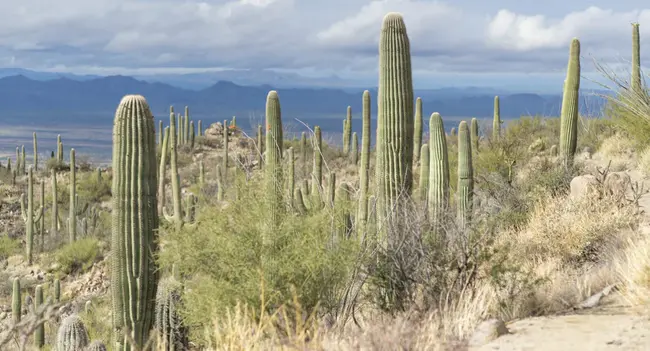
(570, 101)
(35, 152)
(274, 150)
(496, 121)
(394, 117)
(474, 135)
(134, 275)
(438, 199)
(31, 216)
(465, 190)
(347, 131)
(161, 171)
(417, 132)
(72, 216)
(317, 173)
(364, 167)
(636, 60)
(423, 187)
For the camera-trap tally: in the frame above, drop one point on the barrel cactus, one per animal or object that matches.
(570, 101)
(96, 346)
(134, 239)
(394, 118)
(72, 334)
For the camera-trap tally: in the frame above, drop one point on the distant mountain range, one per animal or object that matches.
(69, 97)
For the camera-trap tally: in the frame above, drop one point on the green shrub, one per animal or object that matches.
(90, 189)
(78, 256)
(224, 256)
(8, 246)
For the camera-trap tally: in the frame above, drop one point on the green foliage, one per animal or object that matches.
(90, 189)
(8, 246)
(78, 256)
(223, 257)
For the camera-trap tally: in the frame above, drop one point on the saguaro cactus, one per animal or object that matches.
(438, 199)
(59, 149)
(39, 333)
(200, 128)
(423, 187)
(291, 178)
(55, 205)
(186, 127)
(354, 151)
(72, 215)
(570, 101)
(177, 216)
(168, 323)
(347, 131)
(465, 190)
(636, 60)
(317, 173)
(496, 120)
(364, 167)
(72, 334)
(260, 145)
(394, 118)
(225, 153)
(474, 134)
(30, 215)
(35, 151)
(135, 222)
(417, 132)
(16, 301)
(161, 171)
(274, 150)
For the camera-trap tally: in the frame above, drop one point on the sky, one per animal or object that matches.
(515, 43)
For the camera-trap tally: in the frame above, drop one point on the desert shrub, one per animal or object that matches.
(8, 246)
(92, 189)
(54, 163)
(77, 256)
(228, 259)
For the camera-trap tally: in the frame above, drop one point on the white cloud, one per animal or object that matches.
(332, 35)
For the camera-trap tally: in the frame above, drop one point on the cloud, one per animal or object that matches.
(332, 36)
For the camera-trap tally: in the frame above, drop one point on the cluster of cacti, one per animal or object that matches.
(134, 240)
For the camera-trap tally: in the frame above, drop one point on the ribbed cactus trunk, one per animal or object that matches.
(474, 135)
(161, 171)
(303, 153)
(347, 131)
(161, 133)
(16, 301)
(274, 150)
(364, 167)
(39, 333)
(192, 135)
(224, 160)
(260, 146)
(417, 131)
(465, 192)
(291, 178)
(35, 152)
(317, 173)
(59, 149)
(394, 120)
(186, 127)
(177, 216)
(438, 199)
(41, 214)
(30, 215)
(54, 225)
(636, 61)
(496, 120)
(134, 274)
(354, 150)
(72, 215)
(570, 101)
(200, 128)
(423, 187)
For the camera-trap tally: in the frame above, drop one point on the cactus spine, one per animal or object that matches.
(474, 134)
(16, 301)
(636, 60)
(496, 120)
(72, 334)
(417, 131)
(394, 118)
(135, 222)
(39, 333)
(161, 171)
(274, 145)
(347, 131)
(570, 101)
(465, 176)
(72, 219)
(364, 167)
(423, 187)
(438, 199)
